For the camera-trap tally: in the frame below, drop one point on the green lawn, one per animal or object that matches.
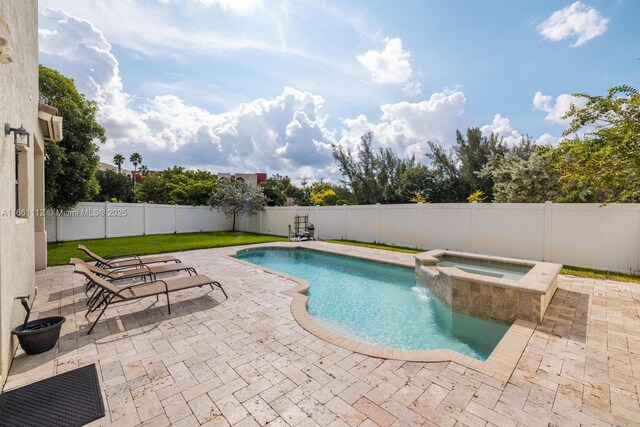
(59, 253)
(377, 246)
(567, 269)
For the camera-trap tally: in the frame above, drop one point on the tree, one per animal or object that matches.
(187, 187)
(144, 170)
(416, 184)
(322, 194)
(477, 196)
(71, 163)
(347, 165)
(113, 186)
(373, 176)
(135, 159)
(118, 160)
(274, 186)
(343, 195)
(520, 176)
(274, 190)
(457, 170)
(416, 197)
(177, 186)
(152, 190)
(447, 184)
(603, 165)
(474, 152)
(237, 198)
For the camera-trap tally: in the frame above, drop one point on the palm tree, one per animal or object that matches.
(118, 160)
(136, 159)
(144, 170)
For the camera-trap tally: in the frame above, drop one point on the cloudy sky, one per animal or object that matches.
(268, 85)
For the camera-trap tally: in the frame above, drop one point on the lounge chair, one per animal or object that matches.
(126, 260)
(111, 294)
(138, 270)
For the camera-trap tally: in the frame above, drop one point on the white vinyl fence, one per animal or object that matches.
(583, 235)
(98, 220)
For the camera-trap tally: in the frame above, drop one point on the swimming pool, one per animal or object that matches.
(379, 304)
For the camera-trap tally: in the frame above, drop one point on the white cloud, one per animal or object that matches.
(501, 126)
(285, 133)
(575, 21)
(392, 65)
(412, 88)
(546, 139)
(406, 127)
(159, 35)
(237, 6)
(556, 110)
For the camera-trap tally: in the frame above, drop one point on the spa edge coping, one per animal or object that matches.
(537, 280)
(500, 364)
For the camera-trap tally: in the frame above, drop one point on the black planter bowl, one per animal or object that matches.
(39, 335)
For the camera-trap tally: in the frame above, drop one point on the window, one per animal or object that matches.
(17, 183)
(240, 179)
(21, 183)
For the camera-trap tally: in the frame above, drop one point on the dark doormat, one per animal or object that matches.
(69, 399)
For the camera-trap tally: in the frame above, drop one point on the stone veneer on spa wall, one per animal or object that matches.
(490, 297)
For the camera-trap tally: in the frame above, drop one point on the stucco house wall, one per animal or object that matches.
(19, 106)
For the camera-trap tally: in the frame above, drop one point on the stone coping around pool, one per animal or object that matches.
(500, 363)
(539, 279)
(492, 298)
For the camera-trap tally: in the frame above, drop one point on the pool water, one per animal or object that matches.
(379, 304)
(485, 268)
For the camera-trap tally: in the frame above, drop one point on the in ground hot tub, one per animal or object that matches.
(492, 287)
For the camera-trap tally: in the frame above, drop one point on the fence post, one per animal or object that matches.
(344, 222)
(474, 223)
(419, 225)
(175, 218)
(377, 223)
(546, 256)
(144, 219)
(107, 226)
(317, 224)
(58, 227)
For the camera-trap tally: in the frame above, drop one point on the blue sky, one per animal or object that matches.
(251, 85)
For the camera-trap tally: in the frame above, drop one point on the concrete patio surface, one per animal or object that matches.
(246, 361)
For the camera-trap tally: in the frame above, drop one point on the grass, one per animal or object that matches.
(599, 274)
(59, 253)
(376, 246)
(567, 269)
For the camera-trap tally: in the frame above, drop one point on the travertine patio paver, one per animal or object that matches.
(246, 361)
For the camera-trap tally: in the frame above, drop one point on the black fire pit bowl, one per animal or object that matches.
(39, 335)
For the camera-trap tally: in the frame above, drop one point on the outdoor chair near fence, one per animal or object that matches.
(126, 259)
(111, 294)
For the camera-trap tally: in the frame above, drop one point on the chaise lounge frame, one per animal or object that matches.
(126, 259)
(111, 294)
